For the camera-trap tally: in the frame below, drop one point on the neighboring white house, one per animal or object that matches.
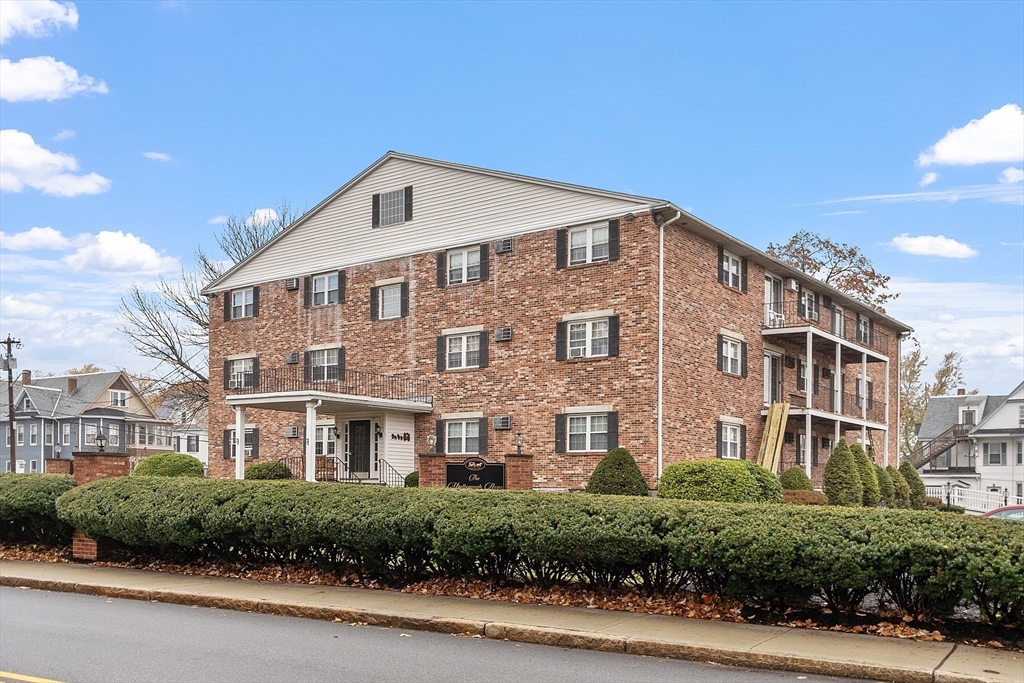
(189, 433)
(984, 465)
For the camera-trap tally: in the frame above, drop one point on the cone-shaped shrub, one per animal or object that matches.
(169, 465)
(870, 494)
(900, 488)
(842, 482)
(617, 474)
(885, 489)
(268, 470)
(917, 493)
(795, 479)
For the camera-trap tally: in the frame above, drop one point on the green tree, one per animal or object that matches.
(617, 474)
(885, 488)
(918, 497)
(900, 487)
(870, 494)
(795, 479)
(842, 482)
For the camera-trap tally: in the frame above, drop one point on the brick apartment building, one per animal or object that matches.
(429, 300)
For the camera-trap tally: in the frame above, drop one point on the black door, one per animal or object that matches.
(359, 447)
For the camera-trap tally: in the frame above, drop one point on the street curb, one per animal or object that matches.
(540, 635)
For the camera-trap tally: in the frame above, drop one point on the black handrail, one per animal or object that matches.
(782, 314)
(350, 382)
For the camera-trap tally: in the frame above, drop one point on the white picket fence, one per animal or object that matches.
(973, 500)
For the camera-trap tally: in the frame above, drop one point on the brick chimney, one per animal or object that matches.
(26, 377)
(961, 392)
(72, 385)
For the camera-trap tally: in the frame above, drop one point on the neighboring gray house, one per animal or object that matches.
(189, 434)
(57, 415)
(974, 442)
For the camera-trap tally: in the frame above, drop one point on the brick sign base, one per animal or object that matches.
(88, 467)
(433, 469)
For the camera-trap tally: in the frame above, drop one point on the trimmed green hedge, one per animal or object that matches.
(412, 480)
(922, 562)
(916, 484)
(169, 465)
(842, 479)
(795, 479)
(617, 474)
(27, 508)
(268, 470)
(729, 481)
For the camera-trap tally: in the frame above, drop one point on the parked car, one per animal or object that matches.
(1007, 512)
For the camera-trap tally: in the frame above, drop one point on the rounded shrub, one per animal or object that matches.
(723, 480)
(885, 489)
(28, 511)
(795, 479)
(412, 480)
(917, 491)
(169, 465)
(769, 488)
(842, 482)
(268, 470)
(617, 474)
(900, 488)
(870, 494)
(803, 497)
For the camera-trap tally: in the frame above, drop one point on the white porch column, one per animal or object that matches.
(887, 413)
(838, 382)
(807, 444)
(808, 372)
(863, 386)
(239, 442)
(311, 440)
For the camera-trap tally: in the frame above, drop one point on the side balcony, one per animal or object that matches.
(857, 334)
(848, 408)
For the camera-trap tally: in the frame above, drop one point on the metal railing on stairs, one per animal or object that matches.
(928, 451)
(334, 468)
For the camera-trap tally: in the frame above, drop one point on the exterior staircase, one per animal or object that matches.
(926, 452)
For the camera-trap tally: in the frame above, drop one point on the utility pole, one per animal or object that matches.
(10, 362)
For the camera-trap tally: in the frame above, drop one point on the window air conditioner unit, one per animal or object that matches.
(826, 442)
(577, 352)
(291, 432)
(292, 358)
(291, 284)
(233, 384)
(503, 334)
(503, 246)
(503, 422)
(826, 373)
(792, 285)
(788, 437)
(790, 362)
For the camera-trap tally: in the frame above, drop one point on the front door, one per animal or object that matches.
(359, 448)
(773, 316)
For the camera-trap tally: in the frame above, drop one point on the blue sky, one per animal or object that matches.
(761, 118)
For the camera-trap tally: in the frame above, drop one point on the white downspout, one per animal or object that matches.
(661, 334)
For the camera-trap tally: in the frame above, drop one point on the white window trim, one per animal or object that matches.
(589, 432)
(249, 429)
(463, 352)
(324, 442)
(727, 345)
(811, 311)
(119, 395)
(380, 301)
(589, 258)
(729, 429)
(462, 416)
(65, 434)
(33, 435)
(19, 435)
(464, 278)
(392, 215)
(248, 301)
(589, 338)
(243, 378)
(462, 330)
(730, 259)
(325, 278)
(48, 435)
(463, 438)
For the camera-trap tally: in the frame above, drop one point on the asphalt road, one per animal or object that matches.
(71, 637)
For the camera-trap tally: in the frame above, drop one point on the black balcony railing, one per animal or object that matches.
(828, 401)
(845, 325)
(350, 382)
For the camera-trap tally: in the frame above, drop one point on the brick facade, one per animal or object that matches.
(518, 469)
(91, 466)
(58, 466)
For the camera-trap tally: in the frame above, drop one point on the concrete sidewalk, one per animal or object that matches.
(748, 645)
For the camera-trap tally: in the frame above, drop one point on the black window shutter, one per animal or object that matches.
(255, 301)
(376, 210)
(442, 268)
(439, 433)
(227, 306)
(871, 395)
(718, 439)
(860, 334)
(613, 335)
(374, 308)
(484, 351)
(562, 250)
(227, 373)
(255, 444)
(307, 372)
(743, 442)
(743, 275)
(743, 358)
(613, 240)
(816, 306)
(561, 333)
(307, 291)
(801, 382)
(721, 353)
(814, 451)
(227, 444)
(341, 363)
(482, 448)
(613, 431)
(723, 274)
(800, 308)
(485, 261)
(817, 377)
(559, 432)
(341, 286)
(871, 331)
(255, 381)
(405, 299)
(408, 202)
(440, 355)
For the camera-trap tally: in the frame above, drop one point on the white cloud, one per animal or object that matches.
(1011, 175)
(24, 163)
(35, 238)
(1000, 193)
(157, 156)
(260, 216)
(66, 134)
(997, 136)
(33, 306)
(119, 252)
(43, 78)
(928, 179)
(933, 245)
(842, 213)
(217, 220)
(34, 18)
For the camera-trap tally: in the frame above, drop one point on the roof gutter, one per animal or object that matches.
(661, 333)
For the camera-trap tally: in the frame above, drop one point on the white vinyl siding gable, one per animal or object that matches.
(453, 206)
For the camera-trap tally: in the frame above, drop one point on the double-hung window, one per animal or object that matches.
(48, 435)
(864, 330)
(325, 443)
(26, 404)
(731, 355)
(731, 270)
(463, 351)
(809, 305)
(65, 434)
(390, 301)
(20, 435)
(588, 433)
(1020, 452)
(192, 443)
(118, 399)
(588, 338)
(243, 303)
(588, 245)
(250, 443)
(994, 453)
(33, 435)
(323, 365)
(242, 373)
(730, 441)
(326, 289)
(464, 266)
(114, 435)
(90, 434)
(462, 436)
(838, 321)
(392, 207)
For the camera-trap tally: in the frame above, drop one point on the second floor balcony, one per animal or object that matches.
(833, 319)
(840, 404)
(332, 380)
